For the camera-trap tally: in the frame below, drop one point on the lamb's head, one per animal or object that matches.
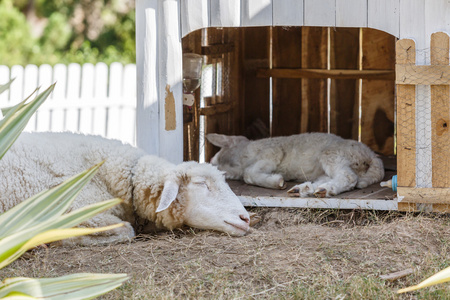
(201, 195)
(228, 159)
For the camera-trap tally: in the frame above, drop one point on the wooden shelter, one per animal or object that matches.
(280, 67)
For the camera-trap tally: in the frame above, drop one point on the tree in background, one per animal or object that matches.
(64, 31)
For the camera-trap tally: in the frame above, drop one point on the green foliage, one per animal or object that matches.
(42, 219)
(65, 31)
(16, 42)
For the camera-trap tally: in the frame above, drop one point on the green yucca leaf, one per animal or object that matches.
(17, 118)
(13, 246)
(46, 205)
(77, 286)
(4, 87)
(440, 277)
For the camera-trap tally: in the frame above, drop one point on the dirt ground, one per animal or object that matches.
(290, 254)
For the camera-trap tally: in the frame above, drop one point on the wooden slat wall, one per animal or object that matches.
(344, 93)
(378, 14)
(256, 91)
(287, 93)
(440, 114)
(314, 91)
(377, 102)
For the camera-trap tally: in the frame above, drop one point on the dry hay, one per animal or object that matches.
(291, 253)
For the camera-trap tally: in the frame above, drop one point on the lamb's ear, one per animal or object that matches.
(221, 140)
(168, 195)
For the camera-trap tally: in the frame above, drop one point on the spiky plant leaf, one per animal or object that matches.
(440, 277)
(77, 286)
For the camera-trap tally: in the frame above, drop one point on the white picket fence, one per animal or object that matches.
(91, 99)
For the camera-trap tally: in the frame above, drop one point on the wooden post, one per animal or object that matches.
(406, 124)
(440, 113)
(406, 119)
(159, 78)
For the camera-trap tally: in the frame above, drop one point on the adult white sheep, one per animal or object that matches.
(167, 195)
(325, 163)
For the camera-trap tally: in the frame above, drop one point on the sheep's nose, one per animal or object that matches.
(245, 219)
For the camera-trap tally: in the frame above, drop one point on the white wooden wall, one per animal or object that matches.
(159, 44)
(91, 99)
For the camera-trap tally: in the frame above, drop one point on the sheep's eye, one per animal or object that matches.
(202, 183)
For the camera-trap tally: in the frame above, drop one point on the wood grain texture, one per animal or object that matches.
(406, 119)
(440, 114)
(324, 74)
(286, 93)
(344, 103)
(378, 96)
(314, 109)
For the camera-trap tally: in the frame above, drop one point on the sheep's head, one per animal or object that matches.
(206, 198)
(229, 155)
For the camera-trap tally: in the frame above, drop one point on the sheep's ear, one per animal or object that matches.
(221, 140)
(168, 195)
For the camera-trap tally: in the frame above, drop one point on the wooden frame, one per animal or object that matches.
(160, 25)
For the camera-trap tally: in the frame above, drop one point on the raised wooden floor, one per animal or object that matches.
(373, 197)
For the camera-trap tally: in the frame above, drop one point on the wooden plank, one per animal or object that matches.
(424, 75)
(385, 15)
(320, 13)
(324, 74)
(16, 88)
(440, 114)
(192, 44)
(328, 203)
(344, 54)
(351, 13)
(31, 73)
(256, 91)
(170, 83)
(286, 93)
(372, 197)
(406, 119)
(287, 13)
(314, 108)
(423, 195)
(194, 15)
(215, 109)
(73, 93)
(147, 115)
(225, 13)
(256, 12)
(378, 96)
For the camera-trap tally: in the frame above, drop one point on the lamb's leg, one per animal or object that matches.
(342, 177)
(307, 189)
(260, 173)
(121, 234)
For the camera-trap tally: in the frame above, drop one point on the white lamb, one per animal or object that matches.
(154, 190)
(325, 163)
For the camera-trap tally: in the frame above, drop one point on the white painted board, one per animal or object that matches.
(194, 15)
(320, 13)
(351, 13)
(287, 13)
(384, 15)
(256, 12)
(225, 13)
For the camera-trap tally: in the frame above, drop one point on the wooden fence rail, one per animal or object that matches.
(91, 99)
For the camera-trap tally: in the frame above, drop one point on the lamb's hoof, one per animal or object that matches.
(282, 184)
(320, 193)
(294, 191)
